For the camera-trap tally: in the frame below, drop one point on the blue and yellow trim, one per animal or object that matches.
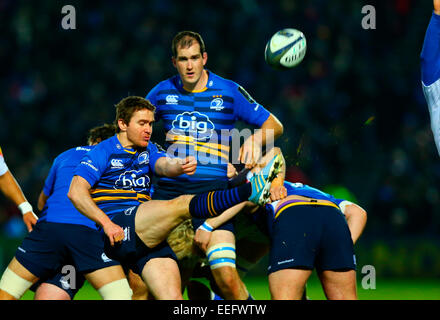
(304, 203)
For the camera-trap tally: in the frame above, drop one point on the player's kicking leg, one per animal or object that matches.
(155, 219)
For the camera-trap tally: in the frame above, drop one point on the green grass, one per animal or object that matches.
(386, 289)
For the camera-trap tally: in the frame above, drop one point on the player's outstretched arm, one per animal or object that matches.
(250, 151)
(203, 234)
(79, 194)
(11, 189)
(172, 167)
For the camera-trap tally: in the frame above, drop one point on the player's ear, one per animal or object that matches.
(173, 60)
(122, 125)
(205, 57)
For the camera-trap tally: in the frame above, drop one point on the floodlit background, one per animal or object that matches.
(356, 122)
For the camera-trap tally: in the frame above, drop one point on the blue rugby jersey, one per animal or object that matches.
(304, 190)
(300, 189)
(430, 70)
(194, 122)
(120, 177)
(58, 207)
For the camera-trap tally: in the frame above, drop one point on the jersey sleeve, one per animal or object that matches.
(430, 56)
(51, 177)
(247, 109)
(93, 165)
(3, 166)
(152, 97)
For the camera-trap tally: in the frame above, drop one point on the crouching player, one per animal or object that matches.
(298, 240)
(308, 230)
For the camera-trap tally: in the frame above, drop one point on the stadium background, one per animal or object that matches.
(355, 118)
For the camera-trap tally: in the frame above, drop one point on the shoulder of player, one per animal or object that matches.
(219, 81)
(155, 147)
(163, 85)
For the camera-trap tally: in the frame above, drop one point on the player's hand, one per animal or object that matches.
(278, 193)
(202, 238)
(250, 153)
(437, 7)
(232, 172)
(114, 233)
(30, 219)
(189, 165)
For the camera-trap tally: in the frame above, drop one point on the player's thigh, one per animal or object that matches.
(48, 291)
(288, 284)
(155, 219)
(101, 277)
(339, 285)
(21, 271)
(162, 277)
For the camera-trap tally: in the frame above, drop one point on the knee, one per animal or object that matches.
(227, 278)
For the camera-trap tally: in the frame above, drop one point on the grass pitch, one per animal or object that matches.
(386, 289)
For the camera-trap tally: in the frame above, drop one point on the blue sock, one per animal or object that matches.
(214, 203)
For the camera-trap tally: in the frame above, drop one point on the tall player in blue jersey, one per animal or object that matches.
(111, 186)
(62, 237)
(430, 68)
(199, 109)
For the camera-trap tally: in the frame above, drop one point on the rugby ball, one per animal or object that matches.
(285, 49)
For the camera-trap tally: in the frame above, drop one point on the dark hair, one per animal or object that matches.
(129, 105)
(97, 134)
(185, 39)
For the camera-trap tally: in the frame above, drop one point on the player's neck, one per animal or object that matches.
(199, 85)
(125, 142)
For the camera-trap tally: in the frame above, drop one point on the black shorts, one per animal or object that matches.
(311, 236)
(167, 190)
(51, 246)
(70, 287)
(132, 252)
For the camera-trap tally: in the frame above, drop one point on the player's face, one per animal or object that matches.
(189, 63)
(140, 128)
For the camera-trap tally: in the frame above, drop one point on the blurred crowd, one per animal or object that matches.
(353, 111)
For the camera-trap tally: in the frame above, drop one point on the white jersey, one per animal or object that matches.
(3, 166)
(432, 96)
